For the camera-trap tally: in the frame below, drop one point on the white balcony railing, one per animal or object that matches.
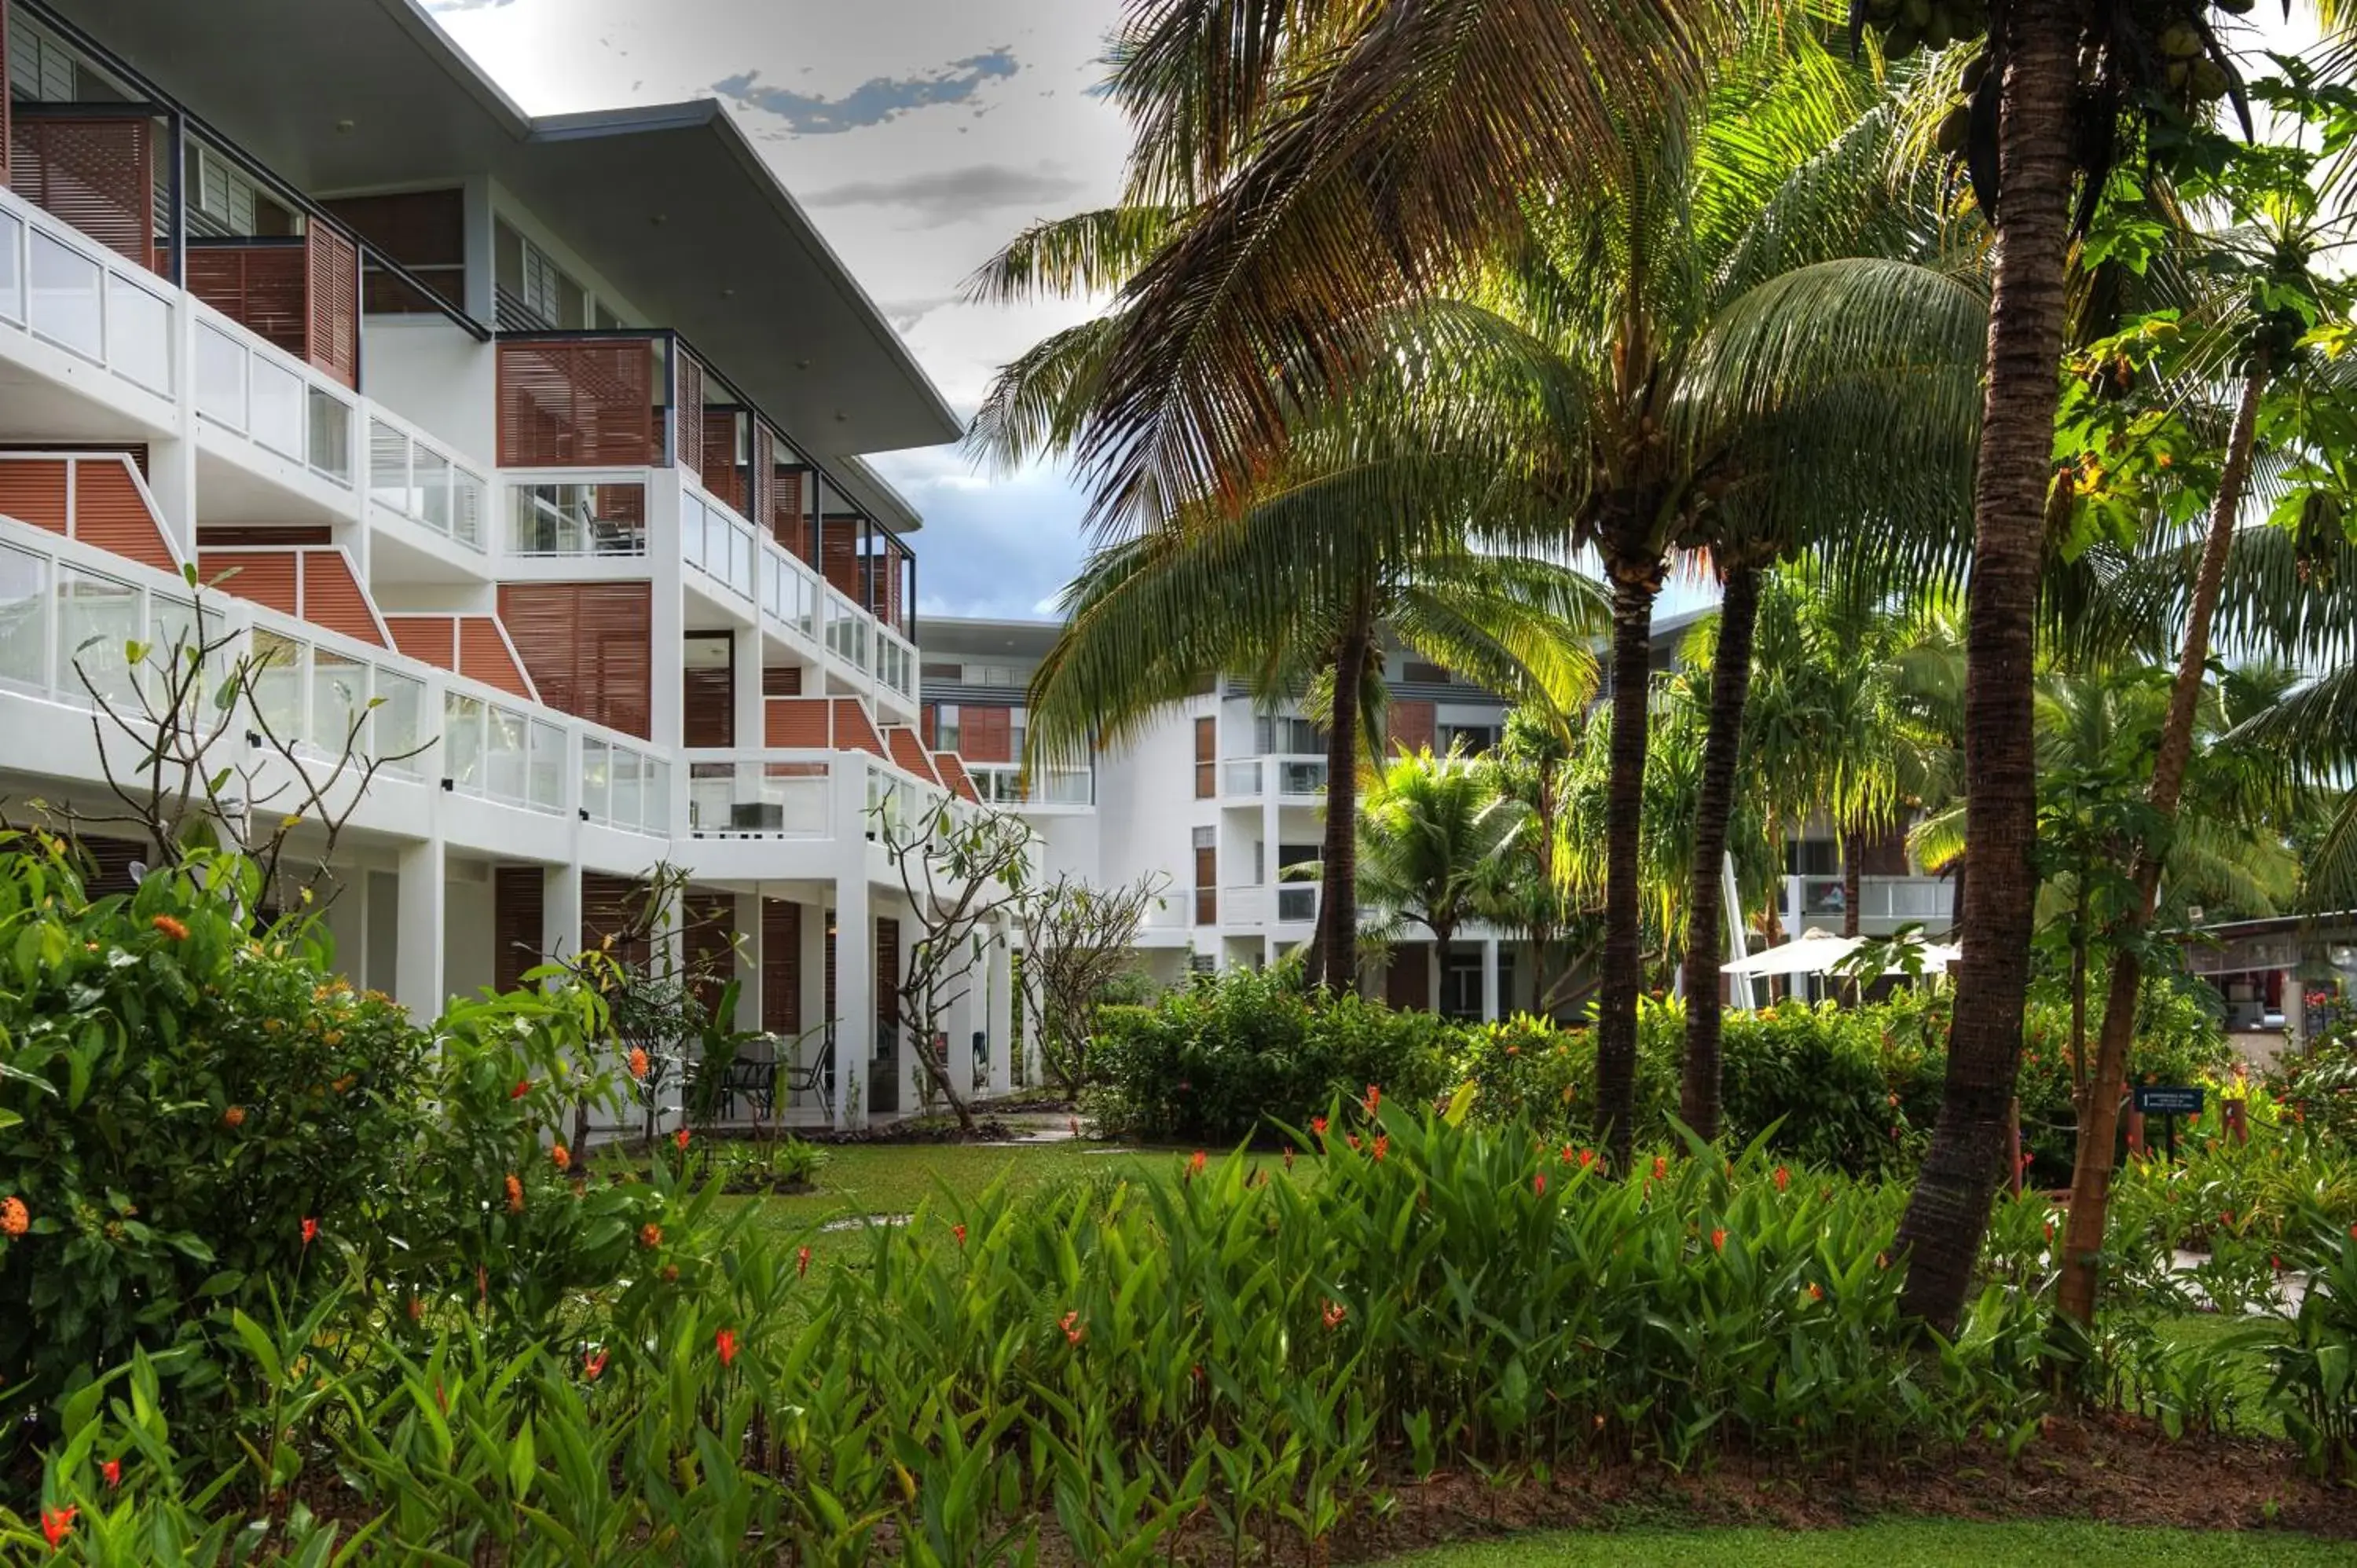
(790, 591)
(411, 476)
(68, 290)
(1004, 784)
(61, 600)
(771, 794)
(1298, 775)
(717, 543)
(1240, 777)
(1890, 900)
(850, 631)
(1244, 906)
(253, 388)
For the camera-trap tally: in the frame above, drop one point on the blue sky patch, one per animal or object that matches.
(873, 102)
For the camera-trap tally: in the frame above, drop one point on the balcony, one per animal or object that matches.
(250, 388)
(1297, 777)
(68, 291)
(1007, 784)
(765, 793)
(1885, 903)
(411, 476)
(298, 293)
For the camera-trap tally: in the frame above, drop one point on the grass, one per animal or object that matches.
(1925, 1545)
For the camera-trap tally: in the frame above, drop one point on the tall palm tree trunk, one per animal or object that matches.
(1336, 965)
(1853, 850)
(1635, 586)
(1730, 684)
(1948, 1213)
(2091, 1171)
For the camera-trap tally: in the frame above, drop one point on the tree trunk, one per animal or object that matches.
(1947, 1214)
(1616, 1024)
(1433, 976)
(2090, 1172)
(1336, 965)
(1730, 684)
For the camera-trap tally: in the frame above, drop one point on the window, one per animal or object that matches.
(989, 675)
(1202, 963)
(1473, 738)
(534, 292)
(1431, 673)
(1207, 875)
(945, 727)
(1206, 759)
(1460, 982)
(1281, 736)
(39, 67)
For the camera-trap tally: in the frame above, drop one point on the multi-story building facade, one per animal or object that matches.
(1219, 795)
(541, 435)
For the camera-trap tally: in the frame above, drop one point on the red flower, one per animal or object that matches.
(233, 1118)
(16, 1219)
(1783, 1178)
(1318, 1126)
(801, 1261)
(958, 1231)
(1586, 1159)
(171, 928)
(1565, 1155)
(1195, 1163)
(1334, 1314)
(310, 1231)
(1538, 1181)
(522, 1088)
(680, 1138)
(1382, 1144)
(1816, 1292)
(1354, 1142)
(1719, 1241)
(112, 1471)
(593, 1366)
(1661, 1166)
(1374, 1101)
(56, 1524)
(1074, 1329)
(651, 1235)
(726, 1343)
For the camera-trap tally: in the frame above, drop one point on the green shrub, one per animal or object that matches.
(1227, 1057)
(198, 1121)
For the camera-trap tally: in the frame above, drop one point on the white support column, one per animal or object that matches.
(855, 1002)
(560, 911)
(749, 961)
(744, 655)
(960, 1018)
(417, 961)
(998, 1019)
(1490, 980)
(668, 630)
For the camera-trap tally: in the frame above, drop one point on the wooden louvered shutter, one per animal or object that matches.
(426, 232)
(517, 894)
(888, 984)
(985, 734)
(781, 680)
(266, 577)
(722, 478)
(333, 283)
(781, 966)
(576, 404)
(588, 648)
(483, 656)
(110, 512)
(260, 287)
(688, 384)
(333, 597)
(761, 470)
(610, 906)
(787, 523)
(708, 702)
(96, 173)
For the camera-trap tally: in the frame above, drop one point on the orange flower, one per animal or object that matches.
(562, 1157)
(112, 1471)
(1374, 1101)
(651, 1235)
(593, 1366)
(233, 1118)
(171, 928)
(680, 1138)
(1816, 1291)
(515, 1194)
(1354, 1142)
(522, 1088)
(1318, 1126)
(1586, 1159)
(56, 1524)
(801, 1261)
(1074, 1329)
(1719, 1241)
(958, 1231)
(1661, 1166)
(638, 1062)
(1382, 1144)
(1334, 1314)
(310, 1231)
(726, 1343)
(1195, 1163)
(1783, 1178)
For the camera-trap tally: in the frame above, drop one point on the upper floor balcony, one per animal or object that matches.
(1245, 778)
(1885, 903)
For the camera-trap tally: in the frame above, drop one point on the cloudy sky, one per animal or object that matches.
(919, 134)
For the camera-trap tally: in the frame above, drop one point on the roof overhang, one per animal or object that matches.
(672, 203)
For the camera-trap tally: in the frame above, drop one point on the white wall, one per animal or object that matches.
(437, 378)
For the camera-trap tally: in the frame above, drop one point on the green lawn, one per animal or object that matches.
(1929, 1544)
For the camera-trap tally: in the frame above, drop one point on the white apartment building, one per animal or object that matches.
(541, 435)
(1217, 797)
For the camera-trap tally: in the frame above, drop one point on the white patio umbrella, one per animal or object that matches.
(1818, 952)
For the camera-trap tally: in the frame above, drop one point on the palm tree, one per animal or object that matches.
(1293, 594)
(1432, 837)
